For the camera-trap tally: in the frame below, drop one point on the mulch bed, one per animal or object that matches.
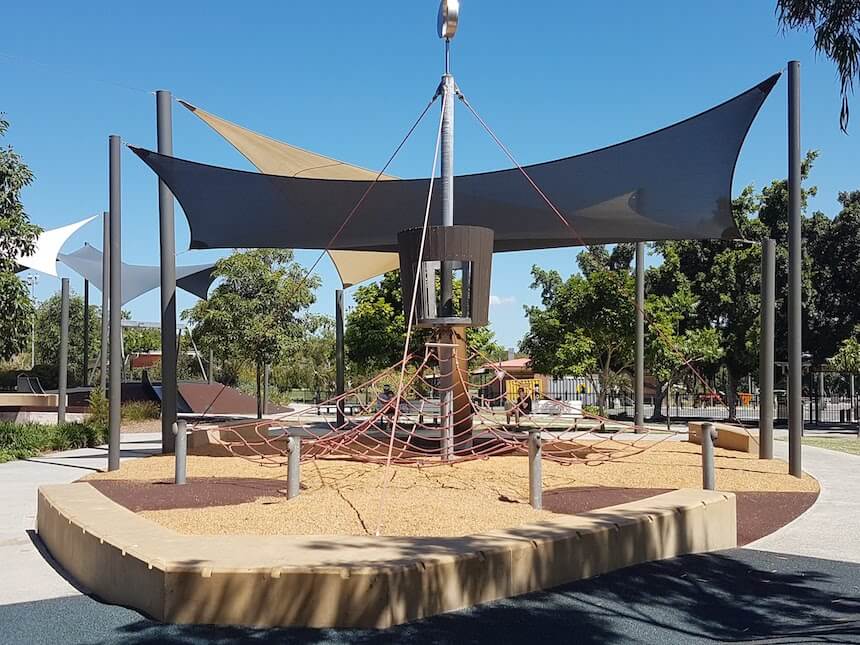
(759, 513)
(196, 493)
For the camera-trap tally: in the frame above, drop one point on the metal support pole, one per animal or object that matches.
(446, 284)
(639, 385)
(267, 368)
(765, 369)
(211, 378)
(446, 418)
(294, 460)
(448, 96)
(164, 127)
(103, 349)
(709, 435)
(795, 253)
(115, 304)
(853, 406)
(62, 379)
(339, 378)
(535, 478)
(85, 379)
(180, 430)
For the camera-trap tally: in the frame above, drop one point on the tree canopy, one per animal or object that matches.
(836, 24)
(17, 237)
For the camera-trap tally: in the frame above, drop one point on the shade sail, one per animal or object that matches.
(48, 245)
(138, 279)
(674, 183)
(275, 157)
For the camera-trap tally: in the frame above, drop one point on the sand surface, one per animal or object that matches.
(351, 498)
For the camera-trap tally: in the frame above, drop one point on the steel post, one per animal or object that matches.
(709, 435)
(85, 378)
(180, 430)
(62, 377)
(267, 368)
(339, 379)
(105, 289)
(164, 127)
(765, 370)
(115, 384)
(795, 254)
(639, 385)
(294, 460)
(535, 477)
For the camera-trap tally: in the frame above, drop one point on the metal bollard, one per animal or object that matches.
(294, 455)
(709, 435)
(535, 479)
(180, 429)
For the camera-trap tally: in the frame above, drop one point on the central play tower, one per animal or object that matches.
(441, 257)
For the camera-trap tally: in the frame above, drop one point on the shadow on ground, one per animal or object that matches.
(732, 596)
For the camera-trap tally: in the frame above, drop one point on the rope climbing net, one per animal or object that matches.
(437, 416)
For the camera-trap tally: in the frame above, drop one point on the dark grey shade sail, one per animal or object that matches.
(674, 183)
(138, 279)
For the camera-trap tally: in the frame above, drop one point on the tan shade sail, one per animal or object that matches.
(275, 157)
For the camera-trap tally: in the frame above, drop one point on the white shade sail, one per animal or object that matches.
(138, 279)
(48, 246)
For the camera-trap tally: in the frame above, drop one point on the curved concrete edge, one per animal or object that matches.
(356, 581)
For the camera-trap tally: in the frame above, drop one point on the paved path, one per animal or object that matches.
(26, 574)
(736, 595)
(831, 528)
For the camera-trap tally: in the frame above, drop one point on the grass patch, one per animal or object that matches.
(851, 446)
(23, 440)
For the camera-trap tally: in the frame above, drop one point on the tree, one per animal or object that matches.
(257, 310)
(376, 328)
(673, 346)
(309, 362)
(48, 335)
(847, 359)
(585, 326)
(17, 237)
(833, 247)
(836, 24)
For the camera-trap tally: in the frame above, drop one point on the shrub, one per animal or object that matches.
(140, 410)
(23, 440)
(99, 410)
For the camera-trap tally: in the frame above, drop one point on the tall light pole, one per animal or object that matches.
(32, 280)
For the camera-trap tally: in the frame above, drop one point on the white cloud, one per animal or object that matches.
(502, 300)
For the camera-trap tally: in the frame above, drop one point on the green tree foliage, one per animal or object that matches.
(847, 358)
(309, 361)
(17, 237)
(585, 324)
(48, 335)
(833, 247)
(257, 311)
(836, 24)
(376, 328)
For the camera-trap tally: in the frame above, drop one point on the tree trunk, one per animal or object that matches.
(732, 396)
(658, 401)
(669, 405)
(259, 397)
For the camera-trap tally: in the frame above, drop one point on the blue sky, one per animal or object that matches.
(347, 78)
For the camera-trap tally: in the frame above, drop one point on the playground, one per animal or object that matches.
(426, 473)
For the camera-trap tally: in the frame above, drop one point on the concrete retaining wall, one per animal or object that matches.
(368, 582)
